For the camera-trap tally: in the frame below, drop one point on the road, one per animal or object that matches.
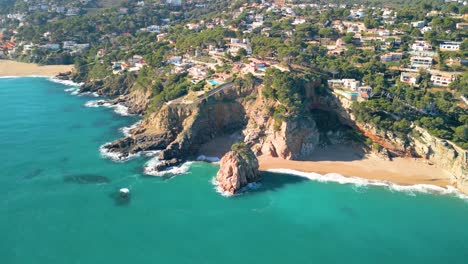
(216, 90)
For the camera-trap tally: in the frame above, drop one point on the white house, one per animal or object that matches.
(421, 62)
(450, 46)
(420, 45)
(411, 78)
(442, 78)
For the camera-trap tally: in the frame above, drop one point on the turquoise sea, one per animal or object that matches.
(58, 207)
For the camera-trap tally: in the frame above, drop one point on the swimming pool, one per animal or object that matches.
(214, 82)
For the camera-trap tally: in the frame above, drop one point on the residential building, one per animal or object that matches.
(450, 46)
(420, 45)
(421, 62)
(393, 56)
(411, 78)
(350, 84)
(462, 26)
(442, 78)
(418, 24)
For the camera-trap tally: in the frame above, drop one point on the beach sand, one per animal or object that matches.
(13, 68)
(350, 162)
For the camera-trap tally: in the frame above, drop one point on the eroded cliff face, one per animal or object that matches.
(112, 86)
(156, 132)
(444, 154)
(181, 126)
(420, 144)
(294, 138)
(237, 170)
(136, 101)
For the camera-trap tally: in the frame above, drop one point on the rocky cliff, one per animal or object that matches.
(293, 138)
(444, 154)
(238, 168)
(181, 126)
(419, 144)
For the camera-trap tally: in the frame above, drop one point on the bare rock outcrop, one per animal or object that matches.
(444, 154)
(291, 138)
(238, 168)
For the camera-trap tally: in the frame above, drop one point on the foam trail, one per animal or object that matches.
(116, 156)
(338, 178)
(150, 166)
(126, 130)
(118, 108)
(65, 82)
(249, 187)
(26, 76)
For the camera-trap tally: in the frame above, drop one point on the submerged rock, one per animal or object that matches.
(86, 179)
(238, 168)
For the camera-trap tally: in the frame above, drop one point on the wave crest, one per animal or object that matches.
(149, 168)
(118, 108)
(65, 82)
(338, 178)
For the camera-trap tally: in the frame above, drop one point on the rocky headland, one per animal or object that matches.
(238, 169)
(180, 127)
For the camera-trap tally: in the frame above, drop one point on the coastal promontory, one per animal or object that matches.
(238, 168)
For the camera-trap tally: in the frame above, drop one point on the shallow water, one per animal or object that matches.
(59, 202)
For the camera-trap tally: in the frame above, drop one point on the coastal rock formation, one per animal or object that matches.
(112, 86)
(420, 144)
(293, 138)
(444, 154)
(181, 126)
(136, 101)
(238, 168)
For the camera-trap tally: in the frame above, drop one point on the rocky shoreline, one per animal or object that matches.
(180, 127)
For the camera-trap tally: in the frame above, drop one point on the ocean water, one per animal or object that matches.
(58, 202)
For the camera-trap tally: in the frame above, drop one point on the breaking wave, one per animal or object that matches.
(118, 108)
(338, 178)
(150, 166)
(116, 156)
(126, 130)
(249, 187)
(65, 82)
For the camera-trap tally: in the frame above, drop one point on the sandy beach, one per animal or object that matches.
(349, 162)
(13, 68)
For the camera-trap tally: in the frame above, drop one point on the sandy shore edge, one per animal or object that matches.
(402, 171)
(10, 68)
(348, 161)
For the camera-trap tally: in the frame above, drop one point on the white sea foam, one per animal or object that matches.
(16, 77)
(249, 187)
(126, 130)
(97, 103)
(208, 159)
(150, 166)
(65, 82)
(360, 182)
(116, 156)
(118, 108)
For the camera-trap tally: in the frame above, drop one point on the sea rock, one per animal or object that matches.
(64, 75)
(238, 168)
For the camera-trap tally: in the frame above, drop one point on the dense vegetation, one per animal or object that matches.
(301, 49)
(405, 105)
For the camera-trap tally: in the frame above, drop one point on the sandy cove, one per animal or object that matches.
(402, 171)
(347, 161)
(14, 68)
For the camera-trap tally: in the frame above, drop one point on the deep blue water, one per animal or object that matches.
(58, 204)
